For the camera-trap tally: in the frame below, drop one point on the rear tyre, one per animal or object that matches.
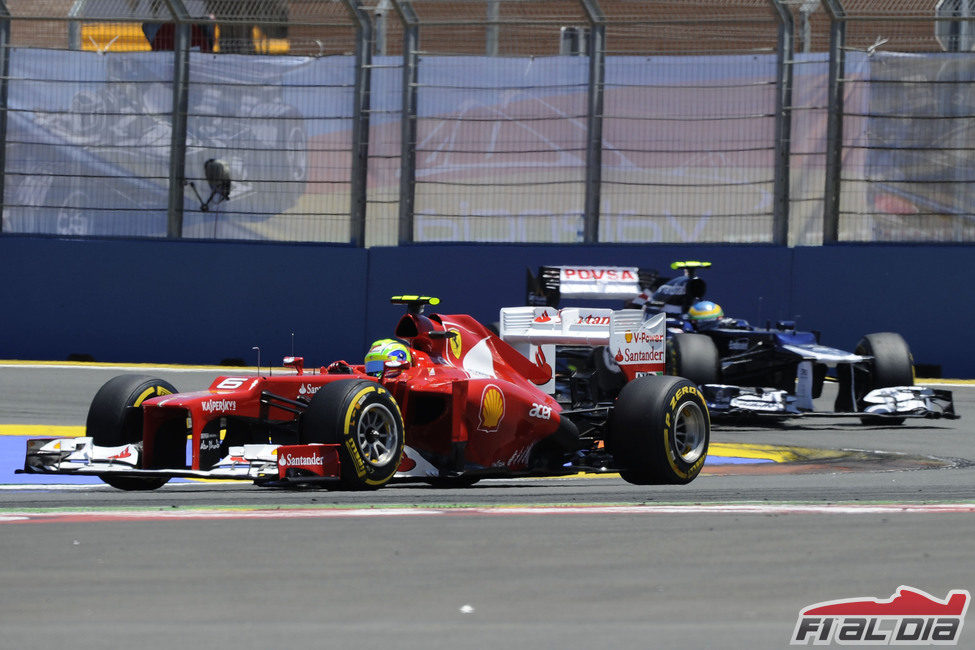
(659, 431)
(892, 365)
(363, 418)
(694, 357)
(115, 418)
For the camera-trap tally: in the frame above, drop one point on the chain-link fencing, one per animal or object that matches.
(791, 122)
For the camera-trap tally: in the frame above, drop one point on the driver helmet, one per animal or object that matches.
(705, 314)
(383, 352)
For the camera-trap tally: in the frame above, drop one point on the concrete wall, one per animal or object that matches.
(202, 302)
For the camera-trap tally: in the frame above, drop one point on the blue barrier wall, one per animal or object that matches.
(201, 302)
(920, 291)
(183, 302)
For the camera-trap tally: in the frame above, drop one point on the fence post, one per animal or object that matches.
(783, 125)
(594, 120)
(407, 179)
(74, 26)
(834, 122)
(491, 35)
(177, 148)
(360, 124)
(4, 80)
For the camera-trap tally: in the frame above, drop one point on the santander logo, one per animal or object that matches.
(289, 460)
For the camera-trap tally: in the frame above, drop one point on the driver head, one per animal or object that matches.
(386, 353)
(705, 314)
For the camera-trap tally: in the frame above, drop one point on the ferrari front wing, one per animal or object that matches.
(258, 462)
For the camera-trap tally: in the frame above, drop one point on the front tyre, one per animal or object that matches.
(364, 419)
(892, 365)
(115, 419)
(659, 431)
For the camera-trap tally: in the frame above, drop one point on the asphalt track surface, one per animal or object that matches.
(725, 562)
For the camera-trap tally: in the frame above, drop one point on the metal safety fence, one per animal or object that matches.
(793, 122)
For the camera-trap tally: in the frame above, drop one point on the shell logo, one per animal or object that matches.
(456, 346)
(492, 409)
(629, 337)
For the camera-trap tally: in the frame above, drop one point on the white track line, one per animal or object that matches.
(14, 516)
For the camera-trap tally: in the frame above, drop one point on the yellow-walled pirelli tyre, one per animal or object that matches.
(115, 418)
(362, 417)
(659, 431)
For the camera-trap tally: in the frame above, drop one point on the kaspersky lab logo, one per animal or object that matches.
(909, 617)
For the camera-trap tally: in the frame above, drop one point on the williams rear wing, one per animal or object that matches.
(587, 283)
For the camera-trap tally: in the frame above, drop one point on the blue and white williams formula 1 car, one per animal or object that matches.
(745, 371)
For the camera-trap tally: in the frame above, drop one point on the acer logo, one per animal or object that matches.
(540, 411)
(593, 320)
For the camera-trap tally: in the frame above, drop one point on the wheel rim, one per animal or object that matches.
(690, 432)
(377, 435)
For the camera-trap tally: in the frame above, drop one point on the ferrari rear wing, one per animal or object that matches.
(635, 344)
(587, 282)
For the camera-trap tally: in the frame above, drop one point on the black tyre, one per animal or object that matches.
(362, 417)
(892, 365)
(694, 357)
(659, 431)
(115, 418)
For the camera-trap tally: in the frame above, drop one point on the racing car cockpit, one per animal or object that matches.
(676, 296)
(682, 299)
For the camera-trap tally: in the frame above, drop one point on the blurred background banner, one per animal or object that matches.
(387, 122)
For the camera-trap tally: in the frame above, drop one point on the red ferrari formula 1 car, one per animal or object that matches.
(463, 405)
